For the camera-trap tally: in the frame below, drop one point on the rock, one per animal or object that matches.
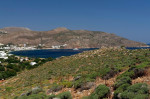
(36, 90)
(119, 96)
(54, 89)
(23, 94)
(29, 93)
(87, 86)
(77, 78)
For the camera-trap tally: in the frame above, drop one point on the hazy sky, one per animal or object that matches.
(126, 18)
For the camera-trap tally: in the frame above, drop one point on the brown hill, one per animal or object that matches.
(60, 36)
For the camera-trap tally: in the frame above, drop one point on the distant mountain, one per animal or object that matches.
(60, 36)
(15, 29)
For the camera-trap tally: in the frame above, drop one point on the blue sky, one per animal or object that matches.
(126, 18)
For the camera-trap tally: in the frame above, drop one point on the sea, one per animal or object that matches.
(56, 53)
(46, 53)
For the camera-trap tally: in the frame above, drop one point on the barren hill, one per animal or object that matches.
(60, 36)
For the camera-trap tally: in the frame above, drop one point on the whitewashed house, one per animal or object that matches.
(3, 55)
(1, 44)
(33, 63)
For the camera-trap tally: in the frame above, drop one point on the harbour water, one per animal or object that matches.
(54, 53)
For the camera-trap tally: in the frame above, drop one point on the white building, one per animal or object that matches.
(1, 44)
(3, 55)
(33, 63)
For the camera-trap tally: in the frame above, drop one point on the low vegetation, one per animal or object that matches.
(80, 73)
(102, 91)
(13, 65)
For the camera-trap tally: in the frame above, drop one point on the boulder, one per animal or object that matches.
(87, 86)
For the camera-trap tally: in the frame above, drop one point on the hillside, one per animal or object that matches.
(61, 36)
(109, 70)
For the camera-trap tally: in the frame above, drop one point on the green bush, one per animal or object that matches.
(8, 89)
(78, 83)
(55, 87)
(102, 91)
(85, 97)
(64, 95)
(121, 81)
(67, 84)
(34, 96)
(120, 89)
(2, 68)
(104, 71)
(139, 89)
(126, 74)
(143, 65)
(50, 96)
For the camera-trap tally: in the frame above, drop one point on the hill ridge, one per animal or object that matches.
(60, 36)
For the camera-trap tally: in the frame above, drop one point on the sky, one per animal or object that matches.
(125, 18)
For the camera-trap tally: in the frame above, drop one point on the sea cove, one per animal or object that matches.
(54, 53)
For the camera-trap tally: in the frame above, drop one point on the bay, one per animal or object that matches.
(46, 53)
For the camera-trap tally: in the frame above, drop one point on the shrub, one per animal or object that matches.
(50, 96)
(102, 91)
(120, 89)
(110, 74)
(80, 82)
(135, 90)
(9, 89)
(67, 84)
(121, 81)
(2, 68)
(9, 73)
(104, 71)
(85, 97)
(126, 74)
(33, 96)
(64, 95)
(54, 88)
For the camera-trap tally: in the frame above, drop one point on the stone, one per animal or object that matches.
(87, 86)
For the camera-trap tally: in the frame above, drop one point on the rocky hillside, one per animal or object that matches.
(60, 36)
(105, 73)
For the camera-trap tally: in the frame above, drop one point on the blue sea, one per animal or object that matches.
(133, 48)
(56, 53)
(46, 53)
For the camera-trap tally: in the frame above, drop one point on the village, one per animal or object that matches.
(12, 47)
(19, 47)
(11, 64)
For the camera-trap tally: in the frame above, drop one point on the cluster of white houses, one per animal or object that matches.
(25, 47)
(16, 48)
(3, 55)
(58, 46)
